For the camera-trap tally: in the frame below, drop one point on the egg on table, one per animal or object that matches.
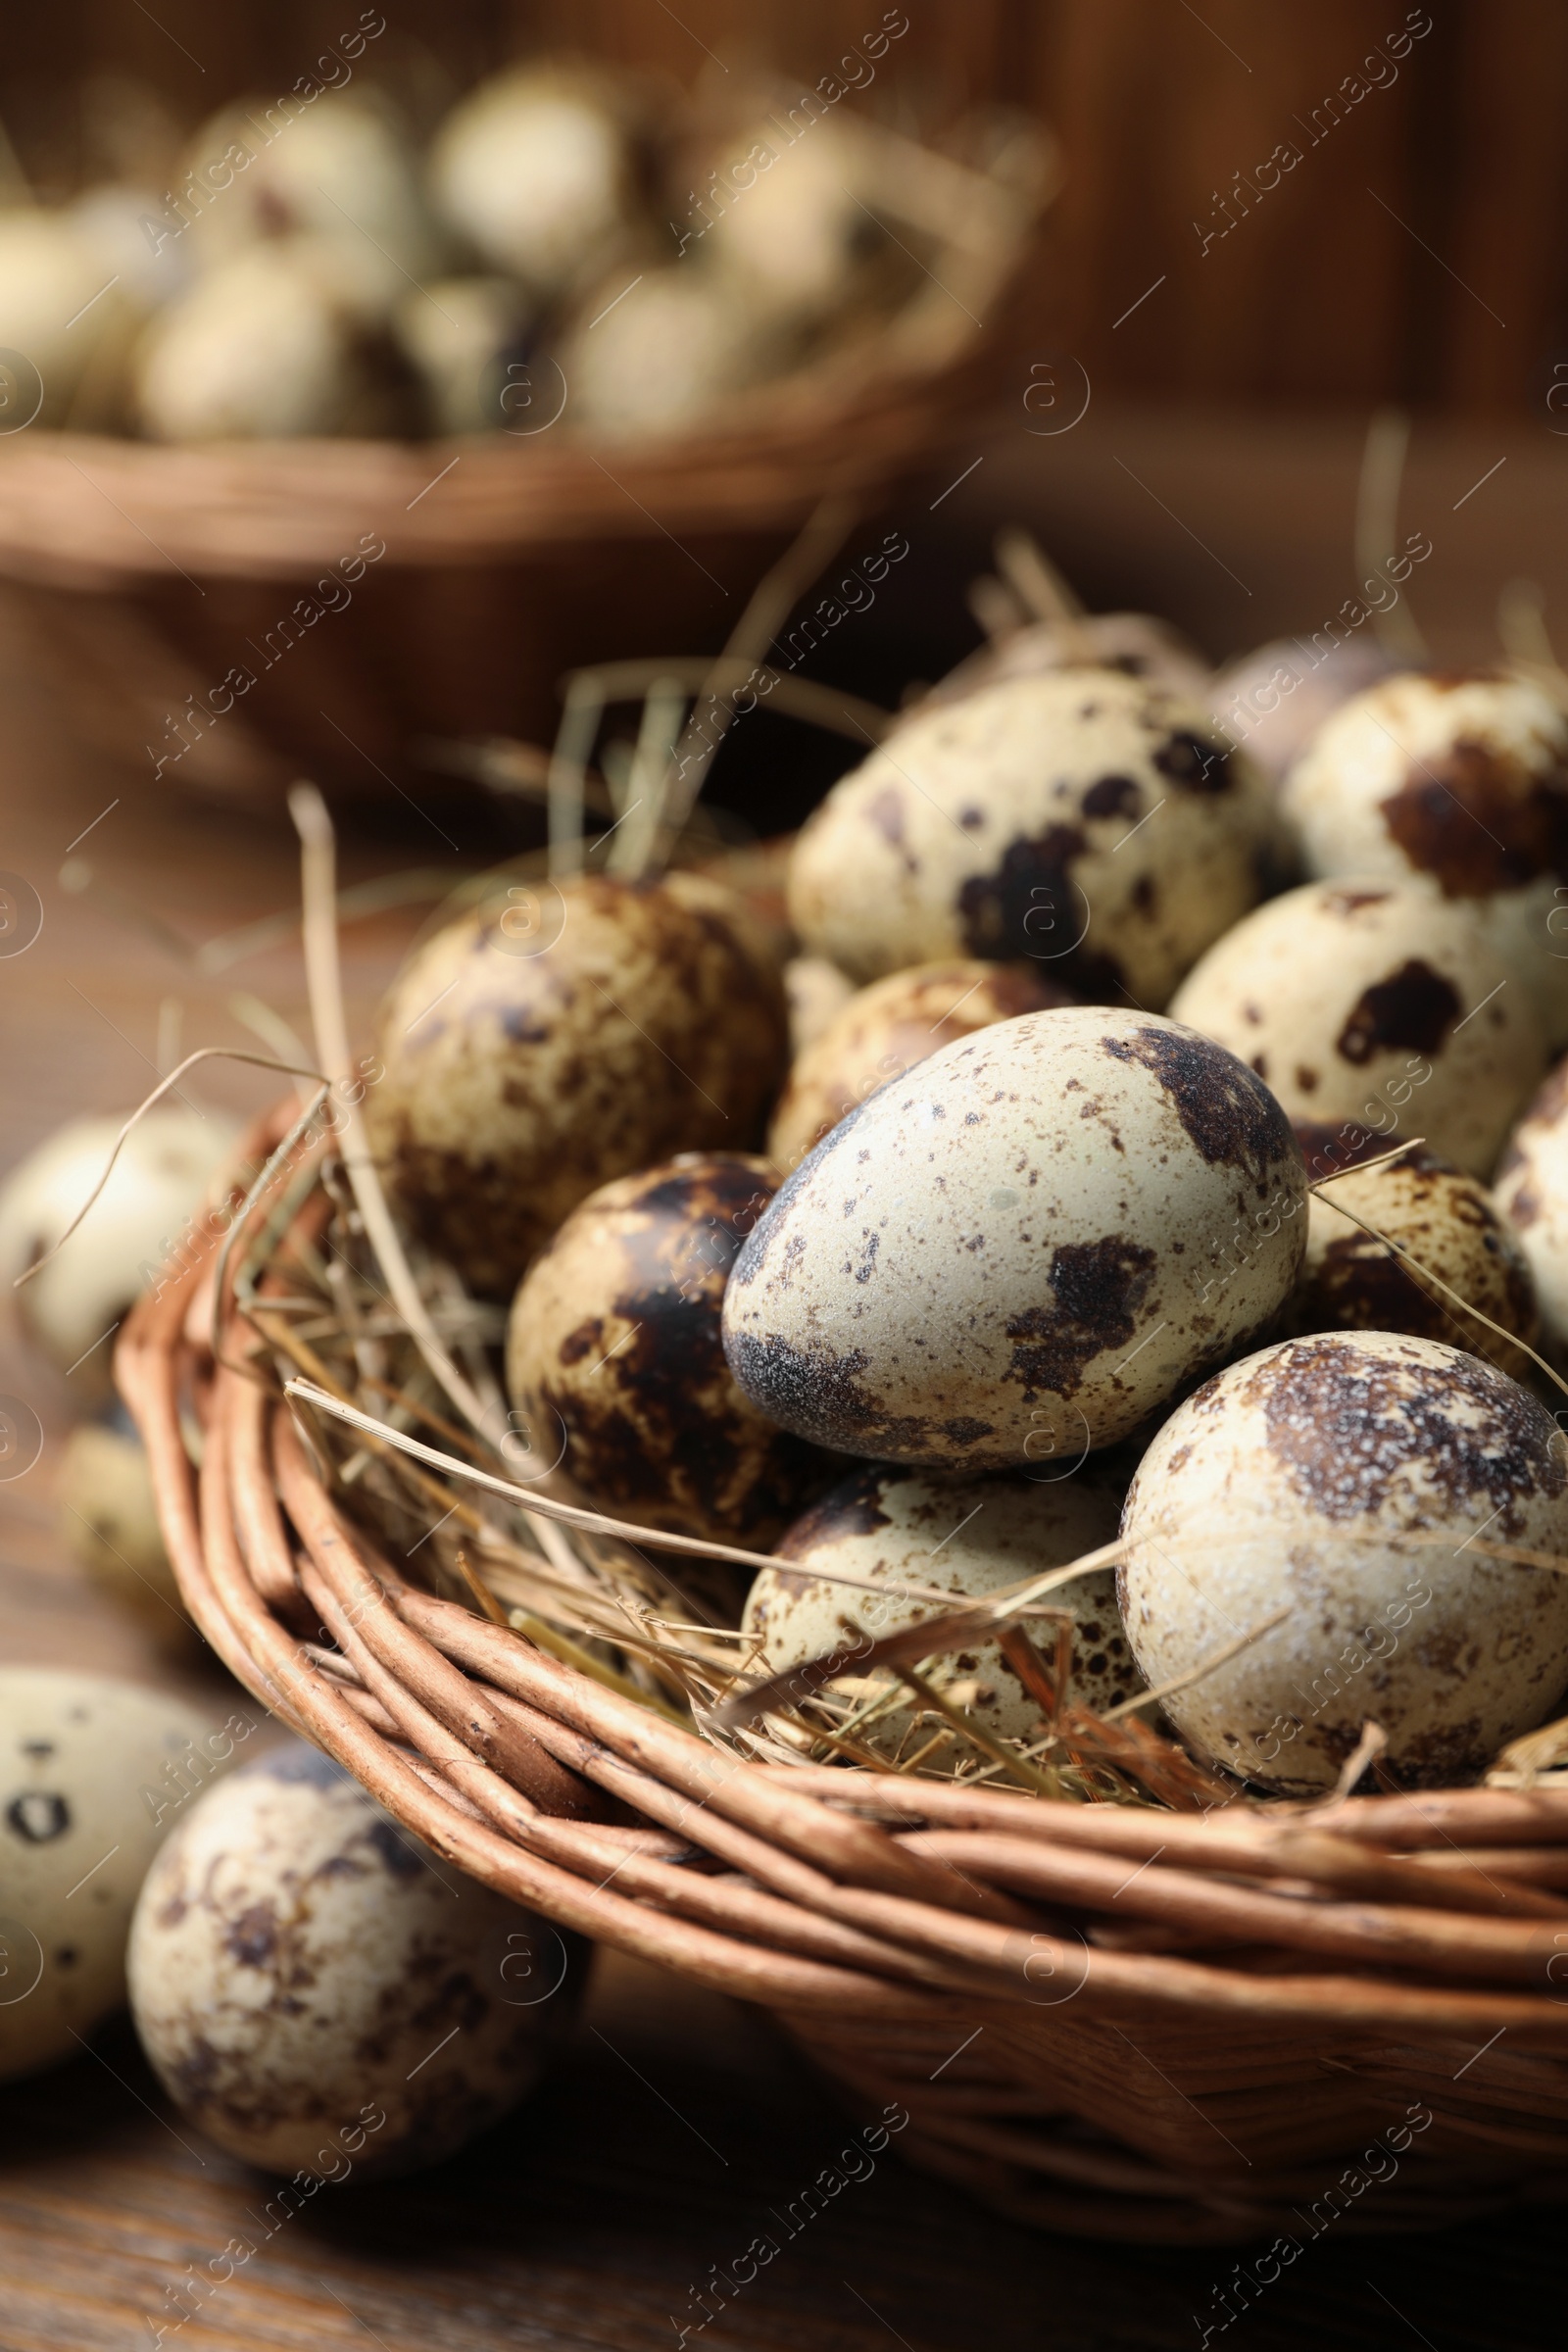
(1459, 783)
(312, 1985)
(1531, 1196)
(93, 1774)
(614, 1352)
(1287, 1482)
(1097, 826)
(1024, 1247)
(108, 1521)
(971, 1539)
(1441, 1217)
(1366, 1002)
(1274, 701)
(549, 1039)
(534, 169)
(167, 1168)
(885, 1029)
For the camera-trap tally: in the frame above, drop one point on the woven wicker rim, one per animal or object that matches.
(818, 1890)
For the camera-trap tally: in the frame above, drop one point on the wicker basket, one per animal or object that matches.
(481, 569)
(1118, 2020)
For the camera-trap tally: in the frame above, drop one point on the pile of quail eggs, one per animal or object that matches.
(566, 244)
(1133, 1154)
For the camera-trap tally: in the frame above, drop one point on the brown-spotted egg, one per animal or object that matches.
(1103, 828)
(319, 1994)
(884, 1030)
(1370, 1003)
(1028, 1243)
(556, 1036)
(1289, 1482)
(613, 1356)
(1460, 784)
(971, 1539)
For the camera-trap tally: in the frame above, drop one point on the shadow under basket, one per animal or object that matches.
(1114, 2020)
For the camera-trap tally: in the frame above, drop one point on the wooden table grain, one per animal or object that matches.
(675, 2127)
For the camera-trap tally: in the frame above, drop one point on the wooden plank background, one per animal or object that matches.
(1418, 251)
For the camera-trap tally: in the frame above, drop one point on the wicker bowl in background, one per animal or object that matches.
(482, 569)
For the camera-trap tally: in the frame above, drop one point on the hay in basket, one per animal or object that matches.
(1114, 1992)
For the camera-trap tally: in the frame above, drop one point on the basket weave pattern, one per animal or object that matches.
(1108, 2019)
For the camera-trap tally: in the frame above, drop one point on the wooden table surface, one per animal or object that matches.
(675, 2121)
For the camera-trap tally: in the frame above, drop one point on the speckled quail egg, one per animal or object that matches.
(311, 1984)
(534, 169)
(614, 1352)
(885, 1029)
(93, 1774)
(658, 352)
(163, 1175)
(1136, 644)
(456, 335)
(1023, 1246)
(1098, 826)
(816, 993)
(1443, 1217)
(1285, 1482)
(60, 305)
(108, 1521)
(1531, 1196)
(552, 1039)
(260, 345)
(1275, 699)
(340, 173)
(972, 1538)
(1460, 783)
(1368, 1003)
(797, 228)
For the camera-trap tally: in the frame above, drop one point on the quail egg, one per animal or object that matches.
(1134, 642)
(534, 169)
(456, 337)
(1367, 1003)
(1460, 783)
(93, 1774)
(1273, 701)
(1441, 1217)
(614, 1352)
(971, 1539)
(1288, 1482)
(1097, 826)
(341, 174)
(312, 1985)
(655, 355)
(885, 1029)
(163, 1176)
(1531, 1196)
(816, 991)
(108, 1519)
(552, 1039)
(60, 307)
(260, 346)
(1023, 1246)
